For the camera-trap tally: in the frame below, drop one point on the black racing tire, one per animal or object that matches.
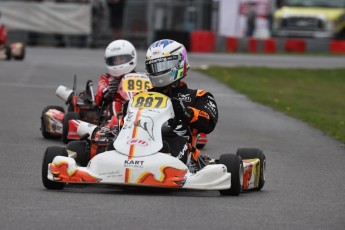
(200, 146)
(83, 153)
(251, 153)
(48, 158)
(8, 53)
(68, 116)
(234, 166)
(43, 128)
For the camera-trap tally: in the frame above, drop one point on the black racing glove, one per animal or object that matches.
(111, 89)
(181, 112)
(114, 85)
(106, 94)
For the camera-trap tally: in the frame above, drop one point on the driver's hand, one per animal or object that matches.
(181, 112)
(104, 134)
(114, 85)
(103, 131)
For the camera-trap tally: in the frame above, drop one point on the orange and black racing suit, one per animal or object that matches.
(204, 116)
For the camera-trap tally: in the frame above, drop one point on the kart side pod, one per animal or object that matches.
(64, 93)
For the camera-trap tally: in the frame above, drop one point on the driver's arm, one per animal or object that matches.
(205, 112)
(103, 83)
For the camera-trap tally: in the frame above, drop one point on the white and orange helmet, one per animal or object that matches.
(166, 62)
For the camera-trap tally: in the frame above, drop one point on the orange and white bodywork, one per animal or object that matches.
(137, 160)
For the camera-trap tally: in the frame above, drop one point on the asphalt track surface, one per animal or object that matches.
(305, 168)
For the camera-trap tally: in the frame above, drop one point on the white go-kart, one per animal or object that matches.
(139, 160)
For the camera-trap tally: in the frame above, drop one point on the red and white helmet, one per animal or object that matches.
(166, 62)
(120, 57)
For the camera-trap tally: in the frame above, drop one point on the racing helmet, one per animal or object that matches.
(120, 58)
(166, 62)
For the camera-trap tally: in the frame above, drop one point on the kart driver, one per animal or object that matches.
(120, 59)
(195, 109)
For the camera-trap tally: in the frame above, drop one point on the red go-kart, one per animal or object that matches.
(14, 50)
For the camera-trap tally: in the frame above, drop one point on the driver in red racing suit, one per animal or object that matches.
(120, 59)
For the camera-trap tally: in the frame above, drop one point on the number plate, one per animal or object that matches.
(136, 85)
(150, 100)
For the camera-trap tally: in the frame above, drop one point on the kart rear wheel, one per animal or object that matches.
(251, 153)
(48, 158)
(83, 153)
(234, 166)
(44, 131)
(68, 116)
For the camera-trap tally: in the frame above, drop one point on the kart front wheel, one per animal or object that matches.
(68, 116)
(83, 153)
(44, 121)
(234, 166)
(252, 153)
(49, 155)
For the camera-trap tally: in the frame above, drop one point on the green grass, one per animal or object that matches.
(314, 96)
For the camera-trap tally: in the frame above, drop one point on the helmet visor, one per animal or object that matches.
(161, 65)
(118, 60)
